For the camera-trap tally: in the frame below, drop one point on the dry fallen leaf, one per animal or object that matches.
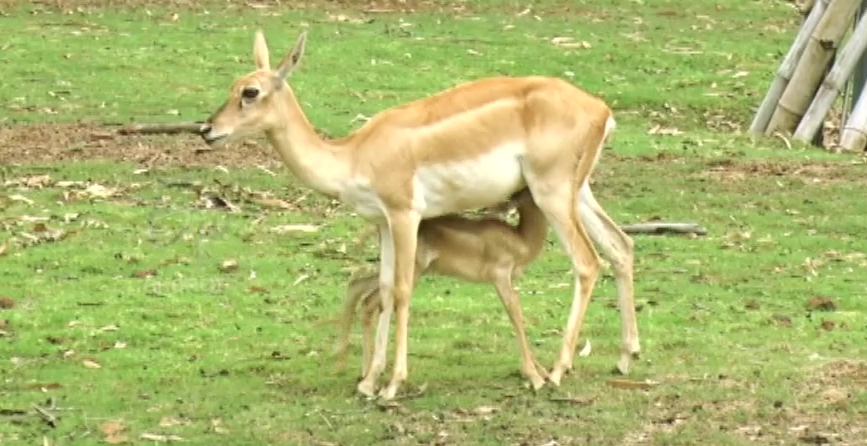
(229, 266)
(217, 426)
(145, 273)
(113, 431)
(345, 18)
(668, 131)
(67, 184)
(21, 198)
(160, 437)
(300, 279)
(91, 364)
(100, 191)
(782, 320)
(282, 229)
(485, 410)
(586, 350)
(112, 427)
(169, 422)
(6, 303)
(38, 181)
(568, 42)
(271, 202)
(820, 303)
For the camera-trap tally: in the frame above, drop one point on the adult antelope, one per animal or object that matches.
(471, 146)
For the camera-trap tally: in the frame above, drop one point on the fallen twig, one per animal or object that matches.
(167, 129)
(12, 413)
(46, 415)
(656, 228)
(630, 384)
(573, 400)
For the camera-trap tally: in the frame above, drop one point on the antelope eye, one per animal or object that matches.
(249, 92)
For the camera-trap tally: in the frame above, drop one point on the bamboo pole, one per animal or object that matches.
(834, 83)
(812, 64)
(854, 135)
(859, 78)
(784, 73)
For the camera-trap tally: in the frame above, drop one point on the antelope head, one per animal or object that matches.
(256, 100)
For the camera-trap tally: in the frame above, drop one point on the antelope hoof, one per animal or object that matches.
(537, 382)
(555, 376)
(388, 393)
(366, 388)
(625, 362)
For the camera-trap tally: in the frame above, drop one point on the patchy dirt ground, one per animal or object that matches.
(810, 172)
(49, 143)
(366, 6)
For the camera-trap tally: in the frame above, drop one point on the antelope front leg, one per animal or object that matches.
(367, 385)
(404, 232)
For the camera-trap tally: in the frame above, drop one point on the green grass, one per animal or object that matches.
(243, 357)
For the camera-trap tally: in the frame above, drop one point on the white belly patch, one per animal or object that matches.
(469, 184)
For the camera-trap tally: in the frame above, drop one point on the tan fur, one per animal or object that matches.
(421, 160)
(478, 250)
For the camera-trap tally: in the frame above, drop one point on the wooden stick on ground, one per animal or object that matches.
(166, 129)
(658, 228)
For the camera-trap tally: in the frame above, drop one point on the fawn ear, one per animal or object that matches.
(260, 52)
(290, 61)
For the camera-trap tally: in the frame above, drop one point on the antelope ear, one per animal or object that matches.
(260, 52)
(290, 61)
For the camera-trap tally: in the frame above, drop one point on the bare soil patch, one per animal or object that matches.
(811, 172)
(52, 143)
(830, 413)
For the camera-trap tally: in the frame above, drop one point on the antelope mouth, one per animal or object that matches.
(214, 140)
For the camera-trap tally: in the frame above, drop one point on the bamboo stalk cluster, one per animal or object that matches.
(801, 93)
